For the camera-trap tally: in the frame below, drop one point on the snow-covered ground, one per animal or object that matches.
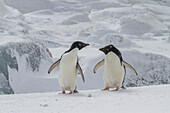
(148, 99)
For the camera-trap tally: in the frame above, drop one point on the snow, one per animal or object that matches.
(148, 99)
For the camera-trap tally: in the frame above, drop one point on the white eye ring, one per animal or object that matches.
(110, 46)
(79, 44)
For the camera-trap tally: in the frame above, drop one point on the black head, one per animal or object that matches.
(78, 45)
(111, 48)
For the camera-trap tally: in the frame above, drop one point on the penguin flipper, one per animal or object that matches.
(81, 72)
(129, 66)
(98, 65)
(54, 65)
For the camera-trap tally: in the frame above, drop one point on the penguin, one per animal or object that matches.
(69, 67)
(114, 68)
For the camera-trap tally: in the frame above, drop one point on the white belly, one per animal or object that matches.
(113, 71)
(67, 71)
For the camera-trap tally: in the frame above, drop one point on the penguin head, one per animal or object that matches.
(109, 48)
(79, 45)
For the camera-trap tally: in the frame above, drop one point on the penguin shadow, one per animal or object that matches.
(98, 93)
(124, 91)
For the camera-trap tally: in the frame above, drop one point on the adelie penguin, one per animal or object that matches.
(114, 68)
(69, 67)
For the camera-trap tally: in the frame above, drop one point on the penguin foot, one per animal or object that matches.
(70, 92)
(105, 89)
(116, 89)
(63, 92)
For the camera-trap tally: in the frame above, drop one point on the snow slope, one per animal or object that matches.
(148, 99)
(19, 52)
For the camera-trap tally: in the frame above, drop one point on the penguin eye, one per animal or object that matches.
(79, 44)
(110, 46)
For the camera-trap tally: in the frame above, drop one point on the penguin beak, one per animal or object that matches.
(86, 44)
(101, 49)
